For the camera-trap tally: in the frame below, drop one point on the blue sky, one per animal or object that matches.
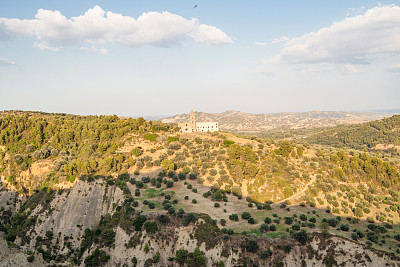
(148, 58)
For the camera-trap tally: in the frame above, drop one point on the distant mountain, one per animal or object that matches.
(238, 121)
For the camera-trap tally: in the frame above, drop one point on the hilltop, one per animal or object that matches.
(237, 121)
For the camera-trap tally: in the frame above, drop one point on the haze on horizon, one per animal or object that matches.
(148, 58)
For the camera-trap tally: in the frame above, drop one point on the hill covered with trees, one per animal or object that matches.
(366, 135)
(91, 190)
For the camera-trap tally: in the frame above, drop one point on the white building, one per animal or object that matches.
(207, 126)
(193, 126)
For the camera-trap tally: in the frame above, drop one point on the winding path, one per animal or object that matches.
(299, 193)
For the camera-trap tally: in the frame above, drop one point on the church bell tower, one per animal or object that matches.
(192, 121)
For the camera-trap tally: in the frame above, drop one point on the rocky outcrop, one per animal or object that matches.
(60, 219)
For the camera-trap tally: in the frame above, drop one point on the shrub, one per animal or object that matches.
(301, 236)
(251, 220)
(97, 258)
(150, 227)
(344, 227)
(246, 215)
(164, 219)
(138, 222)
(108, 236)
(332, 222)
(182, 175)
(264, 228)
(288, 220)
(216, 205)
(136, 152)
(228, 142)
(267, 220)
(234, 217)
(194, 201)
(171, 210)
(181, 256)
(196, 258)
(151, 137)
(266, 254)
(223, 222)
(252, 246)
(288, 248)
(170, 184)
(296, 227)
(272, 227)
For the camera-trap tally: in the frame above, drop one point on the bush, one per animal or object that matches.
(332, 222)
(267, 220)
(234, 217)
(164, 219)
(181, 255)
(182, 175)
(138, 222)
(251, 220)
(150, 227)
(264, 228)
(108, 236)
(288, 248)
(288, 220)
(223, 222)
(170, 184)
(252, 246)
(171, 210)
(296, 227)
(246, 215)
(194, 201)
(344, 227)
(216, 205)
(272, 227)
(266, 254)
(97, 258)
(301, 236)
(196, 258)
(136, 152)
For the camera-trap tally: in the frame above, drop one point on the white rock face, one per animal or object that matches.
(76, 210)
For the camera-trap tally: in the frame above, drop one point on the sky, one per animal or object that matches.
(159, 58)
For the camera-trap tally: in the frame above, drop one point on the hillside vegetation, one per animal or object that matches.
(366, 135)
(138, 180)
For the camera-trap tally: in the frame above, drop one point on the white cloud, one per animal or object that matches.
(281, 39)
(45, 46)
(394, 68)
(260, 43)
(6, 63)
(54, 31)
(351, 40)
(94, 49)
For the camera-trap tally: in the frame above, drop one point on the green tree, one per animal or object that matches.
(167, 165)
